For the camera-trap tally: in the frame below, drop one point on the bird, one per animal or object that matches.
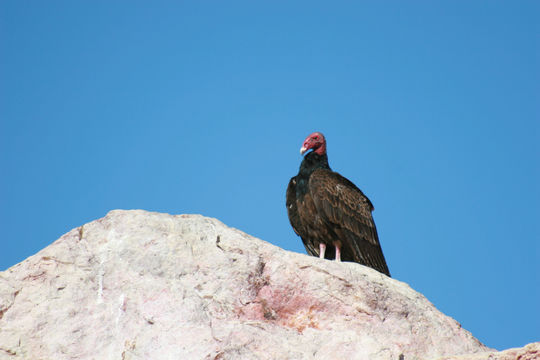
(331, 215)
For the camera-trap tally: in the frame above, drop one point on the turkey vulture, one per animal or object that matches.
(326, 209)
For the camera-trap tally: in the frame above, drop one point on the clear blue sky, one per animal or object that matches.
(430, 107)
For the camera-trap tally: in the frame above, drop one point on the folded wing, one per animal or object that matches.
(346, 212)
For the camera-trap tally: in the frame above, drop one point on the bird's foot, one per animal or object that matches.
(322, 249)
(337, 244)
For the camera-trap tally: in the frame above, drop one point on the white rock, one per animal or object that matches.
(528, 352)
(140, 285)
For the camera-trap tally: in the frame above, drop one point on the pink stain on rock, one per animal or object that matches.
(156, 306)
(286, 306)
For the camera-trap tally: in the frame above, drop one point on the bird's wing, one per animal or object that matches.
(295, 217)
(292, 208)
(344, 207)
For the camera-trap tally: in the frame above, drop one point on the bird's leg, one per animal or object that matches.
(337, 244)
(322, 249)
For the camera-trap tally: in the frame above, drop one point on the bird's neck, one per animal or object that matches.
(312, 162)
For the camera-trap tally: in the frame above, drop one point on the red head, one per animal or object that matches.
(315, 141)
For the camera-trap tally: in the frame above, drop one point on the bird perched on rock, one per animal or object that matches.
(330, 214)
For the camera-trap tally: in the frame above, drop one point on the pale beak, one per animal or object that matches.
(303, 150)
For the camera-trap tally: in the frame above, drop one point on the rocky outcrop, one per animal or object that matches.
(141, 285)
(529, 352)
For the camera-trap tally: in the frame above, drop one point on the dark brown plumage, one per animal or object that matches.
(330, 214)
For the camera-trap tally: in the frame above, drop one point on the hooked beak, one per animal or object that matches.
(303, 150)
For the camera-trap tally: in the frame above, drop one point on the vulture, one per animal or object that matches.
(330, 214)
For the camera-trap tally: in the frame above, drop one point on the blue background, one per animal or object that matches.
(430, 107)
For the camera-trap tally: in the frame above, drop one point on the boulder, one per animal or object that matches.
(142, 285)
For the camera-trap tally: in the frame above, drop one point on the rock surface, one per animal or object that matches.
(528, 352)
(141, 285)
